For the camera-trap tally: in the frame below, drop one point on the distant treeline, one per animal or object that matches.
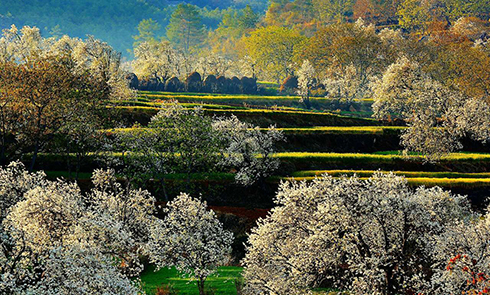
(195, 83)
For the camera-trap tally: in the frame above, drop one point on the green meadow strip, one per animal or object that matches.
(237, 97)
(427, 181)
(379, 157)
(312, 130)
(407, 174)
(257, 111)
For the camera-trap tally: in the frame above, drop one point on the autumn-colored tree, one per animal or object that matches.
(333, 11)
(348, 50)
(48, 94)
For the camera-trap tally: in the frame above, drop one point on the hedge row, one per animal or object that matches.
(362, 107)
(195, 83)
(259, 117)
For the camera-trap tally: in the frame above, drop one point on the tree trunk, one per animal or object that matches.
(34, 156)
(200, 285)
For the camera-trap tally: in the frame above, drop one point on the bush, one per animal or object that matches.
(221, 84)
(132, 80)
(173, 85)
(289, 86)
(210, 84)
(193, 82)
(235, 86)
(249, 85)
(152, 84)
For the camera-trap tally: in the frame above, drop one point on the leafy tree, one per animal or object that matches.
(366, 236)
(273, 49)
(191, 238)
(413, 15)
(333, 10)
(247, 18)
(185, 29)
(50, 95)
(347, 57)
(147, 29)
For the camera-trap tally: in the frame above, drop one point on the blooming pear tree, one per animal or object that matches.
(462, 254)
(365, 236)
(73, 270)
(437, 117)
(345, 85)
(181, 140)
(52, 223)
(155, 60)
(247, 149)
(190, 238)
(306, 76)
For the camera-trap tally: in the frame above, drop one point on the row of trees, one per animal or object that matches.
(376, 236)
(54, 239)
(196, 83)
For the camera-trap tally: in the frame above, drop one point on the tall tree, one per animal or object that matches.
(333, 10)
(186, 29)
(273, 49)
(366, 236)
(147, 29)
(50, 94)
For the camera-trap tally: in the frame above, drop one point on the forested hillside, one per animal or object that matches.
(113, 21)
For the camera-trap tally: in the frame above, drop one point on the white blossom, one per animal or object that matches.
(190, 238)
(365, 236)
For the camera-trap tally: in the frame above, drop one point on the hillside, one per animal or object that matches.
(113, 21)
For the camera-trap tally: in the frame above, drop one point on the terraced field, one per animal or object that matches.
(319, 141)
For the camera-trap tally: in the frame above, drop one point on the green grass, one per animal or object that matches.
(242, 98)
(342, 130)
(379, 157)
(311, 130)
(289, 117)
(223, 283)
(408, 174)
(443, 179)
(214, 96)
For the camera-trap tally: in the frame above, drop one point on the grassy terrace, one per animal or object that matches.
(362, 106)
(379, 157)
(210, 96)
(443, 179)
(262, 117)
(317, 130)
